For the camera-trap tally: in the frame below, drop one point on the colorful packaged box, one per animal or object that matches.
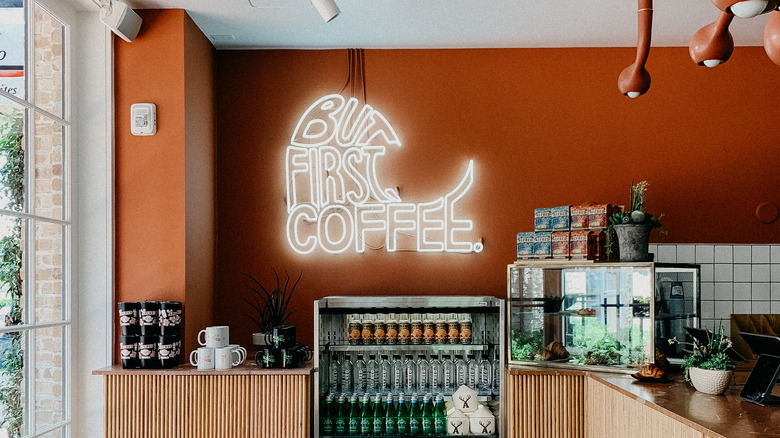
(543, 245)
(579, 217)
(598, 216)
(560, 245)
(542, 219)
(581, 245)
(525, 245)
(600, 245)
(560, 218)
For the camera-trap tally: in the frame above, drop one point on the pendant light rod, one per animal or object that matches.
(634, 80)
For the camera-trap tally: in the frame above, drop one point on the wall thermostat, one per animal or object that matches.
(143, 119)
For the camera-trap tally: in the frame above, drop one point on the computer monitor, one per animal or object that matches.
(703, 336)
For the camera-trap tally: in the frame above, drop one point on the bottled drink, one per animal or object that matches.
(334, 374)
(435, 373)
(366, 418)
(378, 427)
(402, 425)
(385, 375)
(410, 375)
(398, 375)
(427, 416)
(423, 376)
(461, 371)
(327, 416)
(353, 428)
(448, 375)
(485, 382)
(346, 374)
(342, 418)
(360, 375)
(391, 416)
(415, 417)
(497, 370)
(473, 372)
(440, 417)
(372, 375)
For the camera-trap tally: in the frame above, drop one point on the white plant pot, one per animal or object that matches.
(714, 382)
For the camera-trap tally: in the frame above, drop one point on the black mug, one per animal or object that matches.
(128, 318)
(296, 356)
(170, 317)
(166, 351)
(147, 352)
(128, 351)
(282, 336)
(148, 318)
(269, 358)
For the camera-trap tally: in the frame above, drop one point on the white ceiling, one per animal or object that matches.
(234, 24)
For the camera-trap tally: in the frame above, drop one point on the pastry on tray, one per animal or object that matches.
(650, 373)
(586, 312)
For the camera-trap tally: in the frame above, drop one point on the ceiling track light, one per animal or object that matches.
(327, 8)
(713, 44)
(746, 8)
(634, 80)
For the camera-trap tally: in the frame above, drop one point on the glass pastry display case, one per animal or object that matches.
(606, 316)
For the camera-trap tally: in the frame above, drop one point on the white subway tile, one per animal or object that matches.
(686, 253)
(653, 249)
(667, 253)
(706, 272)
(724, 291)
(760, 273)
(708, 309)
(724, 272)
(742, 253)
(705, 253)
(760, 254)
(726, 327)
(775, 307)
(743, 291)
(742, 307)
(708, 324)
(723, 310)
(774, 272)
(707, 291)
(761, 292)
(743, 273)
(774, 254)
(724, 254)
(775, 291)
(760, 307)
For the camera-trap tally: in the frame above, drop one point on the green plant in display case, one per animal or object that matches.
(597, 346)
(632, 346)
(526, 344)
(12, 356)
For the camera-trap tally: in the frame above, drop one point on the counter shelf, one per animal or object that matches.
(398, 348)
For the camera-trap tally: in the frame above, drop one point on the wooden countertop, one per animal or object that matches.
(245, 369)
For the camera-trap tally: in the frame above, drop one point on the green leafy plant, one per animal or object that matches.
(598, 346)
(270, 305)
(636, 214)
(709, 356)
(526, 344)
(12, 181)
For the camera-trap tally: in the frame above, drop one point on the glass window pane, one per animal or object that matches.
(49, 376)
(12, 384)
(12, 263)
(49, 137)
(49, 72)
(56, 433)
(12, 156)
(12, 53)
(48, 272)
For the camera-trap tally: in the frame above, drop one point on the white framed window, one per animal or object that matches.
(35, 222)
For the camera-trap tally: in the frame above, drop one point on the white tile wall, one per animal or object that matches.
(734, 278)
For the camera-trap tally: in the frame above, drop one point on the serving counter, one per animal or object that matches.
(182, 402)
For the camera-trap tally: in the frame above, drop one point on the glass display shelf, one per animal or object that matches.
(406, 347)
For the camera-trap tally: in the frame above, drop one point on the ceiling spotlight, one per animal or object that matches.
(327, 8)
(772, 37)
(634, 80)
(713, 43)
(746, 8)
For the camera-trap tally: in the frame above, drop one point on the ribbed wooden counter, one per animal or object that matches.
(183, 402)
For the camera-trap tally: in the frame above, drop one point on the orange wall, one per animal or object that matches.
(158, 257)
(546, 127)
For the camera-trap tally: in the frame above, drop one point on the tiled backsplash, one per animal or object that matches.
(734, 278)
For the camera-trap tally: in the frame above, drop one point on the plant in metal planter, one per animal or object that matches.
(271, 305)
(632, 228)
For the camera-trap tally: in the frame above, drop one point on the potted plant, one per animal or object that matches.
(708, 368)
(632, 227)
(270, 305)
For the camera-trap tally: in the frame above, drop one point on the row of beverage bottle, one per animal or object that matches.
(374, 416)
(382, 374)
(405, 328)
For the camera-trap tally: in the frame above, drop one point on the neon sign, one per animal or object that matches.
(335, 201)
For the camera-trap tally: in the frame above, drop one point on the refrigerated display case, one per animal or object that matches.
(606, 316)
(352, 334)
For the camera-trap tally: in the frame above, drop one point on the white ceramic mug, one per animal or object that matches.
(203, 358)
(241, 352)
(214, 337)
(226, 358)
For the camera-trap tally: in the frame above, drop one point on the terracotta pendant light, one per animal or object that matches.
(634, 80)
(746, 8)
(713, 44)
(772, 37)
